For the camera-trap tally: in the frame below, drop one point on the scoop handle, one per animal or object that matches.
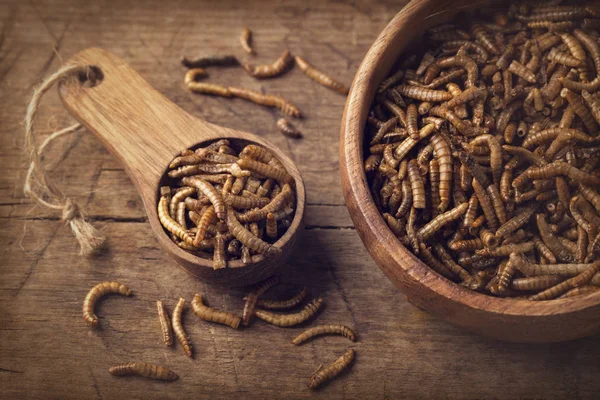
(136, 123)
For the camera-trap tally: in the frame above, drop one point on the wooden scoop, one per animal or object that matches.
(144, 130)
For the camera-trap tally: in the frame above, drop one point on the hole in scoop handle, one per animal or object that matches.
(139, 125)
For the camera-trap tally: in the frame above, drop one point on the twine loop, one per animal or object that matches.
(37, 184)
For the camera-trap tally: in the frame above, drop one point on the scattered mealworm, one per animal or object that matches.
(253, 297)
(146, 370)
(287, 320)
(277, 68)
(209, 61)
(342, 330)
(282, 304)
(288, 129)
(165, 324)
(180, 334)
(268, 100)
(320, 77)
(325, 374)
(245, 39)
(212, 315)
(95, 294)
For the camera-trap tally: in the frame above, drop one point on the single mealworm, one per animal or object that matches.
(180, 334)
(554, 169)
(209, 88)
(209, 191)
(288, 129)
(441, 220)
(342, 330)
(550, 240)
(95, 294)
(536, 283)
(571, 283)
(245, 39)
(287, 320)
(277, 68)
(146, 370)
(247, 238)
(210, 61)
(442, 153)
(516, 222)
(212, 315)
(320, 77)
(417, 185)
(253, 297)
(267, 170)
(486, 204)
(488, 238)
(580, 291)
(219, 256)
(282, 304)
(268, 100)
(325, 374)
(165, 324)
(424, 94)
(505, 250)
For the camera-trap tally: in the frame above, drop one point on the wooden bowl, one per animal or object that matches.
(505, 319)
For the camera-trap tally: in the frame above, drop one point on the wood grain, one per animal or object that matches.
(506, 319)
(45, 349)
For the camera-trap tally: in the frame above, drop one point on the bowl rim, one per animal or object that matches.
(369, 222)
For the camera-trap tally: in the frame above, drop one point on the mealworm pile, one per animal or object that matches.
(174, 327)
(483, 147)
(264, 71)
(227, 205)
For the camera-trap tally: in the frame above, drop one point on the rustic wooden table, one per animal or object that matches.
(46, 351)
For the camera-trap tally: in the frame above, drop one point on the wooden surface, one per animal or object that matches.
(145, 133)
(45, 349)
(506, 319)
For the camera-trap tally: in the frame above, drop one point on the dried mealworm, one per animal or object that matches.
(245, 40)
(411, 122)
(277, 68)
(505, 250)
(536, 283)
(267, 170)
(520, 219)
(441, 220)
(180, 334)
(247, 238)
(557, 168)
(287, 320)
(209, 88)
(325, 374)
(212, 315)
(486, 204)
(96, 293)
(580, 291)
(209, 191)
(181, 195)
(165, 324)
(408, 143)
(282, 304)
(579, 280)
(219, 255)
(170, 224)
(146, 370)
(288, 129)
(424, 94)
(253, 297)
(442, 154)
(552, 241)
(320, 77)
(451, 265)
(417, 185)
(342, 330)
(210, 61)
(268, 100)
(488, 238)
